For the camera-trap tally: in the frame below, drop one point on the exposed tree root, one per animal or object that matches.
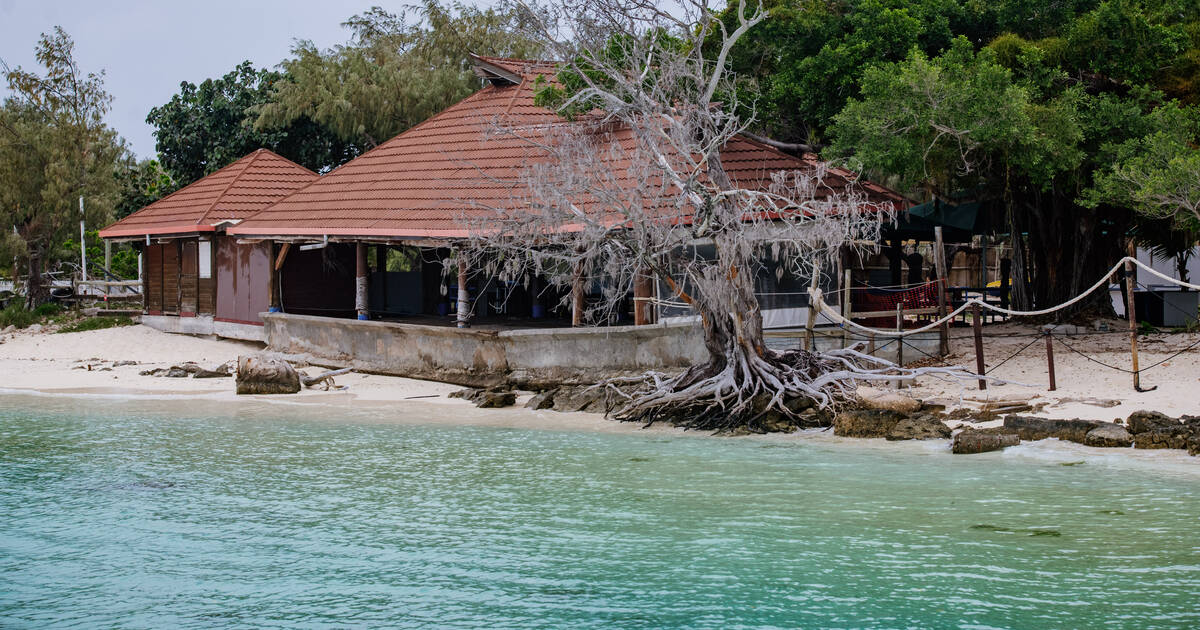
(761, 394)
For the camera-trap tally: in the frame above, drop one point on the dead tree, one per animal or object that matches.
(632, 181)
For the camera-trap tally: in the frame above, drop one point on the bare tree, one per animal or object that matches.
(633, 183)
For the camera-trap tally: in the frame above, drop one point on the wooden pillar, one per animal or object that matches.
(977, 325)
(1050, 359)
(1131, 313)
(847, 311)
(939, 261)
(464, 298)
(643, 293)
(360, 281)
(810, 341)
(577, 297)
(273, 300)
(899, 337)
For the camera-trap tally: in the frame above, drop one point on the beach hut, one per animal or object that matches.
(372, 238)
(195, 277)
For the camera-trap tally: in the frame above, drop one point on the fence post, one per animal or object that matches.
(1050, 359)
(1131, 313)
(977, 324)
(899, 338)
(939, 261)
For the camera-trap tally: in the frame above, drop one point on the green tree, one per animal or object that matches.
(141, 184)
(54, 149)
(208, 126)
(395, 72)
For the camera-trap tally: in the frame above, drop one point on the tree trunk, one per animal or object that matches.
(36, 291)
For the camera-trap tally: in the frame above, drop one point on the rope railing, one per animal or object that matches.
(817, 298)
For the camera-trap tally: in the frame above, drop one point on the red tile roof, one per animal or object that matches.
(234, 192)
(430, 180)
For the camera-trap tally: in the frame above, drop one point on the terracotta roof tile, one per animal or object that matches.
(234, 192)
(426, 181)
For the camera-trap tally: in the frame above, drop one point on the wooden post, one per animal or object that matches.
(977, 324)
(871, 344)
(643, 287)
(577, 297)
(1005, 280)
(939, 261)
(360, 280)
(464, 304)
(272, 281)
(1050, 359)
(899, 338)
(847, 310)
(810, 341)
(1131, 313)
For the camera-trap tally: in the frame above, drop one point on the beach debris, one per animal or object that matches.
(118, 364)
(325, 378)
(1109, 435)
(262, 374)
(971, 441)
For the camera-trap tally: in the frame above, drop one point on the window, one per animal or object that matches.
(205, 250)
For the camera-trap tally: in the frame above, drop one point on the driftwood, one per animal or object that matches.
(260, 374)
(325, 378)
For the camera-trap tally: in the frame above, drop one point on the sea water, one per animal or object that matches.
(195, 515)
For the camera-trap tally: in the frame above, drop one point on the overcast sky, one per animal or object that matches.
(147, 48)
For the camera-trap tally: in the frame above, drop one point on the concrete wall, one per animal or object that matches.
(531, 358)
(204, 325)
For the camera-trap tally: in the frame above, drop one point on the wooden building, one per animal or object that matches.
(195, 278)
(413, 195)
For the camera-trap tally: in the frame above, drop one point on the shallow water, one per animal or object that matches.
(118, 514)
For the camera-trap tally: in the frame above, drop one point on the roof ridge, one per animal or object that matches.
(253, 158)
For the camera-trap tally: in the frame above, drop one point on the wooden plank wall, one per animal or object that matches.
(206, 288)
(170, 266)
(153, 273)
(188, 277)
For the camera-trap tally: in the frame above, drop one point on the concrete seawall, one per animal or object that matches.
(530, 358)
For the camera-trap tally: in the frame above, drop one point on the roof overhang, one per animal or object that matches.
(134, 233)
(494, 73)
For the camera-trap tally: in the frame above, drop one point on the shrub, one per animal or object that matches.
(47, 309)
(97, 323)
(16, 315)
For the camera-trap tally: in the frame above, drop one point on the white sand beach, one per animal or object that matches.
(58, 363)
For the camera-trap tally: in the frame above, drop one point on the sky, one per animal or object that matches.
(148, 47)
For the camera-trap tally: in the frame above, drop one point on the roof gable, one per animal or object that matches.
(234, 192)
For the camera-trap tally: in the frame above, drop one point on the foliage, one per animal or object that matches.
(97, 323)
(47, 309)
(394, 73)
(208, 126)
(54, 148)
(141, 184)
(18, 316)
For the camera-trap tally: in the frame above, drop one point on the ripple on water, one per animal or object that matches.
(115, 514)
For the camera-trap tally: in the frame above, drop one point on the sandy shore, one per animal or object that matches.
(1085, 389)
(57, 364)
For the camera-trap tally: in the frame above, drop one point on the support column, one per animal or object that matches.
(381, 256)
(643, 293)
(939, 261)
(577, 299)
(464, 303)
(360, 281)
(272, 280)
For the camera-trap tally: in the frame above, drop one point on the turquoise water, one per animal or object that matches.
(116, 514)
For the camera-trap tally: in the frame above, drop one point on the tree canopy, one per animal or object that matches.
(397, 70)
(205, 127)
(54, 149)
